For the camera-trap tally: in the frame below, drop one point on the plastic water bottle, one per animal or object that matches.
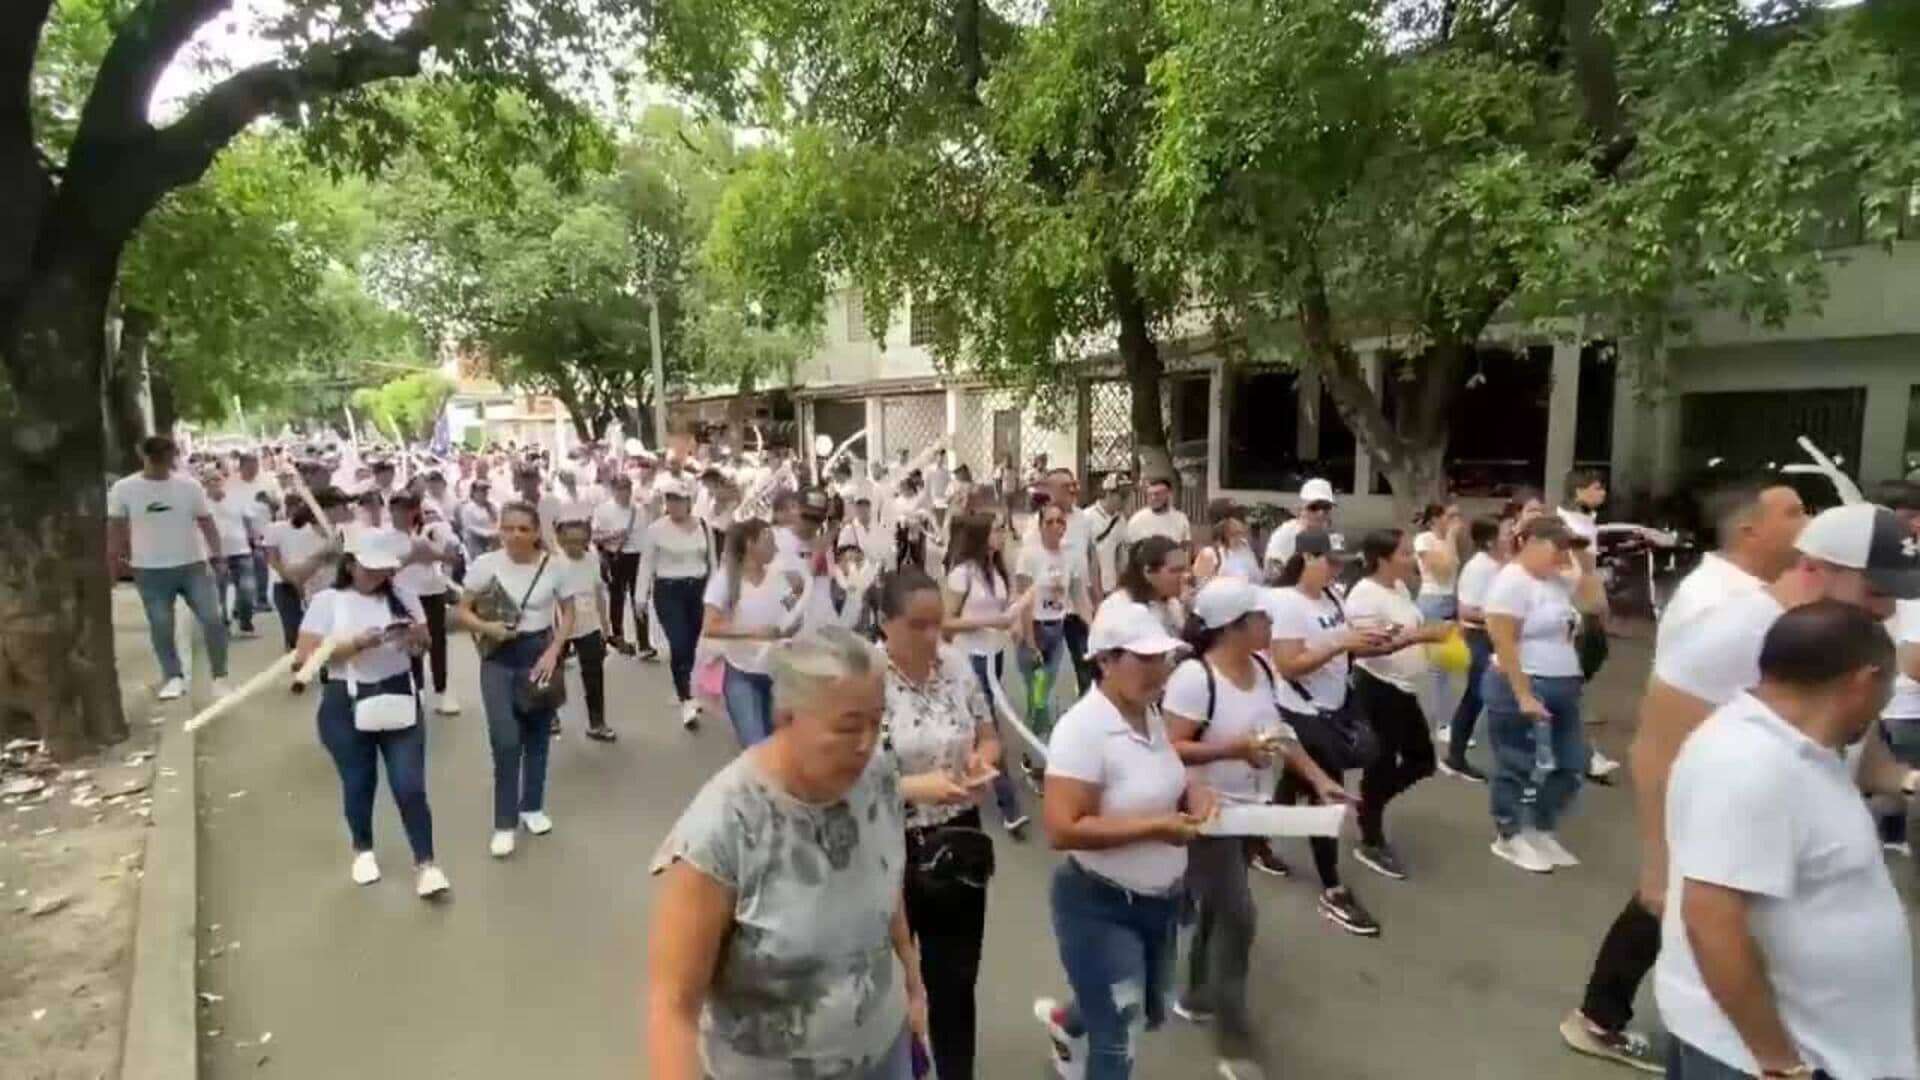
(1542, 748)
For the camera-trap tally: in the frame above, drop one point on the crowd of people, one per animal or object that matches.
(822, 901)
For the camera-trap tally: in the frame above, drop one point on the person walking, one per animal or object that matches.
(791, 860)
(1107, 532)
(369, 708)
(519, 668)
(1785, 949)
(1227, 551)
(301, 553)
(1156, 577)
(1158, 517)
(579, 567)
(1532, 691)
(1386, 685)
(160, 526)
(750, 605)
(1312, 650)
(1054, 577)
(1223, 717)
(479, 524)
(1120, 804)
(619, 530)
(980, 611)
(238, 523)
(1316, 512)
(676, 558)
(1475, 578)
(1586, 494)
(1436, 549)
(255, 488)
(939, 727)
(430, 552)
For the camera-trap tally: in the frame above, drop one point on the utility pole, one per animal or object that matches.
(659, 364)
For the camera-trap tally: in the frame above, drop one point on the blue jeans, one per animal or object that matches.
(261, 601)
(194, 584)
(287, 602)
(987, 667)
(1480, 656)
(237, 574)
(519, 739)
(1039, 668)
(1516, 744)
(357, 755)
(1118, 949)
(749, 698)
(1441, 682)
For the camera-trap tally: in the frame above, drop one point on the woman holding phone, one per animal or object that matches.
(750, 606)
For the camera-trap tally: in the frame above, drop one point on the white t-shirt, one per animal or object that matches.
(427, 578)
(1280, 544)
(1368, 599)
(582, 577)
(162, 519)
(1714, 582)
(480, 522)
(1717, 656)
(249, 491)
(537, 612)
(230, 519)
(1171, 613)
(1581, 524)
(1433, 584)
(669, 552)
(771, 605)
(626, 525)
(1108, 534)
(1238, 562)
(297, 546)
(1138, 776)
(937, 480)
(1755, 806)
(1905, 630)
(349, 612)
(871, 538)
(1169, 523)
(1054, 576)
(985, 597)
(1310, 621)
(1475, 579)
(1548, 622)
(1236, 714)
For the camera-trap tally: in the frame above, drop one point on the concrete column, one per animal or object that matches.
(1216, 423)
(1307, 440)
(876, 430)
(1661, 430)
(1371, 367)
(1632, 470)
(1883, 430)
(1563, 416)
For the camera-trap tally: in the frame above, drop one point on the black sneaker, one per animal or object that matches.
(1381, 860)
(1267, 862)
(1463, 770)
(1342, 907)
(1035, 775)
(602, 734)
(555, 729)
(651, 656)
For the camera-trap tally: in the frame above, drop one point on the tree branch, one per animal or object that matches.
(25, 185)
(116, 108)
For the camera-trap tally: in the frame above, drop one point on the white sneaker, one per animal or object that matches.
(1069, 1051)
(1443, 734)
(1600, 766)
(1550, 848)
(1517, 851)
(537, 822)
(689, 714)
(173, 690)
(448, 705)
(432, 881)
(366, 868)
(502, 845)
(221, 688)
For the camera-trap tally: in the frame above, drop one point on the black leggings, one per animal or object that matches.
(1326, 849)
(286, 601)
(622, 570)
(1406, 750)
(435, 607)
(592, 651)
(1628, 953)
(949, 921)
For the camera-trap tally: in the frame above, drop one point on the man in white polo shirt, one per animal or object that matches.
(160, 524)
(1854, 554)
(1785, 948)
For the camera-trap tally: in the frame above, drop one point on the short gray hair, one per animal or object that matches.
(815, 658)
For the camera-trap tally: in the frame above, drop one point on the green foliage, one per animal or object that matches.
(410, 404)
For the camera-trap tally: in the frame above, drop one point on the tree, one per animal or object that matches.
(82, 164)
(1418, 170)
(410, 404)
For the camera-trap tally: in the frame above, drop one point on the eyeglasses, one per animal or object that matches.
(1320, 506)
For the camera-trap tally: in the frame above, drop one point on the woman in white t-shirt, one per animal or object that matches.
(526, 652)
(1223, 718)
(424, 574)
(1054, 576)
(676, 557)
(1532, 691)
(1156, 576)
(1476, 577)
(981, 609)
(580, 566)
(1436, 548)
(1120, 804)
(1386, 686)
(302, 557)
(370, 705)
(1312, 654)
(1228, 552)
(750, 606)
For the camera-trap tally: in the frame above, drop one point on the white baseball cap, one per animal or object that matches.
(1316, 491)
(1130, 627)
(376, 549)
(671, 487)
(1224, 600)
(1870, 539)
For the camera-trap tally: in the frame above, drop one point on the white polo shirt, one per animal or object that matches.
(1714, 582)
(1138, 776)
(1755, 806)
(1169, 523)
(1717, 656)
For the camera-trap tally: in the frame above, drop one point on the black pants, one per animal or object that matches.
(592, 651)
(286, 601)
(949, 922)
(1406, 750)
(1075, 628)
(681, 610)
(622, 571)
(435, 607)
(1626, 955)
(1292, 791)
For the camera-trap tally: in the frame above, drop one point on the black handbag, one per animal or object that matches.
(949, 856)
(1339, 739)
(533, 697)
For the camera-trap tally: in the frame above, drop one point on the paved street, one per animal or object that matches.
(536, 966)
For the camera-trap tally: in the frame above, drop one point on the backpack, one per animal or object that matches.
(1213, 691)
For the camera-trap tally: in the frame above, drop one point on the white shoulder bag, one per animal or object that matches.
(383, 712)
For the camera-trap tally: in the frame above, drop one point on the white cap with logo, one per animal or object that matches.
(1130, 627)
(1870, 539)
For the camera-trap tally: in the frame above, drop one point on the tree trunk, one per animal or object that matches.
(56, 617)
(125, 385)
(1140, 357)
(166, 412)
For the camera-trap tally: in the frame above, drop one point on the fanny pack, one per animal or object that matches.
(383, 711)
(950, 856)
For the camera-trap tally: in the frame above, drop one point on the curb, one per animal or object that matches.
(162, 1033)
